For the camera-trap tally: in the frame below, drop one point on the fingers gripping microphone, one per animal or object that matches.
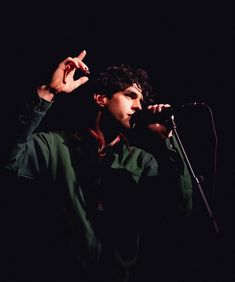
(146, 117)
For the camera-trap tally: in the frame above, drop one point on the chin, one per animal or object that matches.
(121, 126)
(126, 124)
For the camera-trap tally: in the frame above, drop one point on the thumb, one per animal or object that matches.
(81, 81)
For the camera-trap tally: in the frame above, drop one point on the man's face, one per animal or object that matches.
(123, 104)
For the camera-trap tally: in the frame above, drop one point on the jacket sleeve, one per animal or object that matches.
(172, 187)
(29, 153)
(184, 184)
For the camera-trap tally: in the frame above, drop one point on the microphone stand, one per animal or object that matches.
(195, 179)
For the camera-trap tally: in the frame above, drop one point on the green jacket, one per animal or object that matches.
(98, 202)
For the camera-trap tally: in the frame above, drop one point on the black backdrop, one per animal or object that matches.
(187, 50)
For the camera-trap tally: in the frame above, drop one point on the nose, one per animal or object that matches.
(137, 105)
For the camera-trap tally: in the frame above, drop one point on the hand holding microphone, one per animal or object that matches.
(159, 113)
(159, 117)
(152, 114)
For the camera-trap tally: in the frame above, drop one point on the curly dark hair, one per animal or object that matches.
(118, 77)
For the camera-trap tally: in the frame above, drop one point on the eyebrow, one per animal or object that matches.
(136, 94)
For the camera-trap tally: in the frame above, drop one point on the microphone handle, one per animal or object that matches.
(146, 116)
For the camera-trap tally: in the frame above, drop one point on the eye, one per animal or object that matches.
(132, 95)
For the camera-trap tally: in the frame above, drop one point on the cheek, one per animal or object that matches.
(121, 109)
(116, 106)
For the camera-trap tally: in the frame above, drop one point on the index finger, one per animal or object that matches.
(82, 55)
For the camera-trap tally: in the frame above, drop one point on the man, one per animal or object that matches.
(88, 207)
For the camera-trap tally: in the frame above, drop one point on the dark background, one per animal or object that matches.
(187, 48)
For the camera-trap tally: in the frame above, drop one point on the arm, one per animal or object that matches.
(173, 170)
(182, 176)
(35, 108)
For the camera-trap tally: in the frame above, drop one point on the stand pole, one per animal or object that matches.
(195, 179)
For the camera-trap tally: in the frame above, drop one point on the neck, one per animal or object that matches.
(106, 128)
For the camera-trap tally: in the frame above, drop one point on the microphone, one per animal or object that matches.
(145, 117)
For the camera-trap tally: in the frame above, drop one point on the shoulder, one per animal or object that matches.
(51, 137)
(141, 159)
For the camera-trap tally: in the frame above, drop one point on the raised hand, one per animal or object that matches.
(63, 77)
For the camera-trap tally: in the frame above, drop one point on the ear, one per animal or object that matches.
(100, 99)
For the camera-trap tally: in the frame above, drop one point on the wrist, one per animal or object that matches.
(52, 90)
(46, 92)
